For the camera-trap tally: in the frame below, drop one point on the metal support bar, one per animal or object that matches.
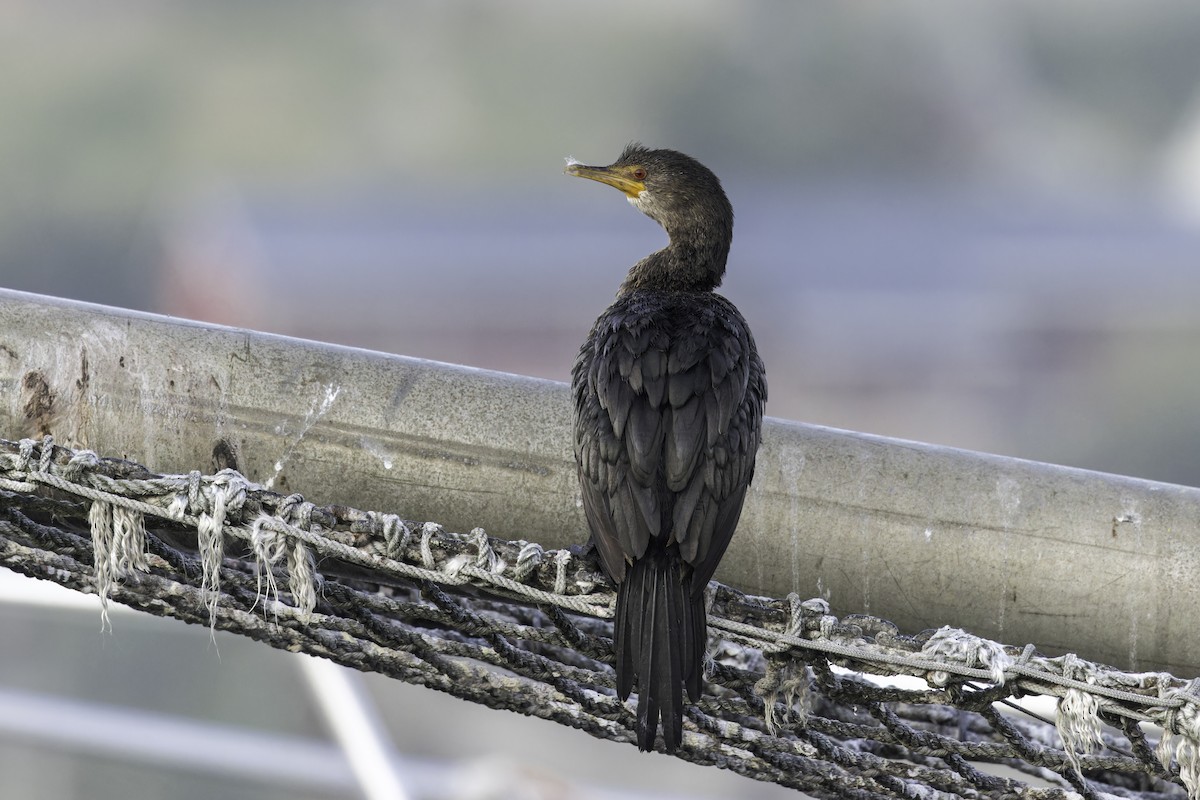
(1102, 565)
(167, 742)
(354, 721)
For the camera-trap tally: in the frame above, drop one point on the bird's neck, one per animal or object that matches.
(690, 263)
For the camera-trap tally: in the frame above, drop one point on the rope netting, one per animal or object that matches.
(788, 697)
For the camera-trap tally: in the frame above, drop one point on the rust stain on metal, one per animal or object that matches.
(82, 406)
(85, 375)
(39, 402)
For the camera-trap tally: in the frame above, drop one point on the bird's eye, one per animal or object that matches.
(639, 173)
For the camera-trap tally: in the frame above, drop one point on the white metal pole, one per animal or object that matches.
(355, 724)
(1101, 565)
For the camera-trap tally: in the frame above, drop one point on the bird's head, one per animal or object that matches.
(685, 197)
(673, 189)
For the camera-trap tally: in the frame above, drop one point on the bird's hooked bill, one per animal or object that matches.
(620, 177)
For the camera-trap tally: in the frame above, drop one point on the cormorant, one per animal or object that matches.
(669, 393)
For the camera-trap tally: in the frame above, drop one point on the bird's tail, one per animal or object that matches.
(660, 642)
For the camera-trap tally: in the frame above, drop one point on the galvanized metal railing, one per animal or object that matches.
(1101, 565)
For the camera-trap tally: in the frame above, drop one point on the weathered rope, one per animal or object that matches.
(777, 711)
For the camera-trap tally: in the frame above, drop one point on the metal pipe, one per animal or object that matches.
(1101, 565)
(355, 723)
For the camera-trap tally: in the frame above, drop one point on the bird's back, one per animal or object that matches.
(669, 393)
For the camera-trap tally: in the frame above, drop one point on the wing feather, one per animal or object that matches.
(669, 394)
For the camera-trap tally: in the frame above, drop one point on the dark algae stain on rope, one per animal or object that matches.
(669, 393)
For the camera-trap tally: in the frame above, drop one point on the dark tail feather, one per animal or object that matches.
(695, 669)
(660, 641)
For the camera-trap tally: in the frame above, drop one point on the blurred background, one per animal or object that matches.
(971, 225)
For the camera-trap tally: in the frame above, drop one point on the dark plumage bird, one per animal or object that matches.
(669, 394)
